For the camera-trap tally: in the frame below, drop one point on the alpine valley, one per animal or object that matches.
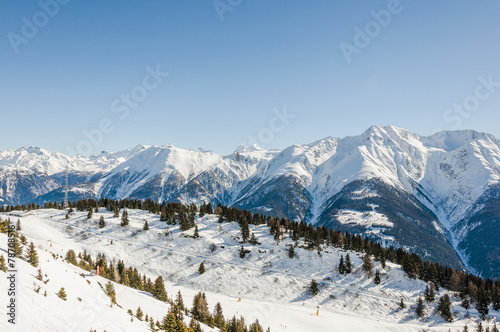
(438, 196)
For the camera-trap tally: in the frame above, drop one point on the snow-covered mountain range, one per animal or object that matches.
(436, 195)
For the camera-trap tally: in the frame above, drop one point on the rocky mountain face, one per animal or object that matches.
(436, 195)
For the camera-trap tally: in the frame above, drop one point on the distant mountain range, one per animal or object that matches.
(437, 195)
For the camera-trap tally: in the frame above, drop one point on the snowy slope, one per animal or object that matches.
(272, 287)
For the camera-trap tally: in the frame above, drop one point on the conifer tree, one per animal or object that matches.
(3, 267)
(194, 325)
(255, 327)
(159, 291)
(146, 226)
(32, 255)
(179, 301)
(495, 328)
(342, 265)
(200, 308)
(291, 252)
(125, 220)
(23, 239)
(242, 252)
(253, 240)
(376, 280)
(368, 265)
(169, 322)
(201, 269)
(62, 294)
(17, 246)
(89, 214)
(420, 308)
(313, 287)
(348, 264)
(245, 231)
(479, 327)
(496, 298)
(139, 314)
(102, 223)
(116, 212)
(219, 317)
(18, 226)
(444, 308)
(196, 233)
(482, 302)
(402, 304)
(110, 292)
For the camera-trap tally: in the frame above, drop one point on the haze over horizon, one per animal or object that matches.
(86, 77)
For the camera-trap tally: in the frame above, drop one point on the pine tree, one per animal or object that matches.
(146, 226)
(219, 317)
(17, 246)
(159, 291)
(18, 226)
(376, 280)
(102, 223)
(201, 269)
(179, 301)
(245, 231)
(3, 267)
(313, 287)
(479, 327)
(482, 302)
(139, 314)
(169, 322)
(291, 252)
(200, 308)
(253, 240)
(32, 255)
(110, 291)
(495, 328)
(242, 252)
(342, 265)
(420, 308)
(496, 298)
(116, 212)
(255, 327)
(429, 294)
(382, 259)
(62, 294)
(196, 233)
(89, 214)
(444, 308)
(368, 265)
(348, 264)
(402, 304)
(125, 220)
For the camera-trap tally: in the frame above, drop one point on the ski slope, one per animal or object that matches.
(272, 287)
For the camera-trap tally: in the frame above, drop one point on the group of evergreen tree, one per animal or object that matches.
(345, 267)
(472, 290)
(174, 320)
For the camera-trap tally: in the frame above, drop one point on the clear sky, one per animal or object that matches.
(335, 67)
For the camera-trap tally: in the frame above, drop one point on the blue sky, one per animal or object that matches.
(228, 77)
